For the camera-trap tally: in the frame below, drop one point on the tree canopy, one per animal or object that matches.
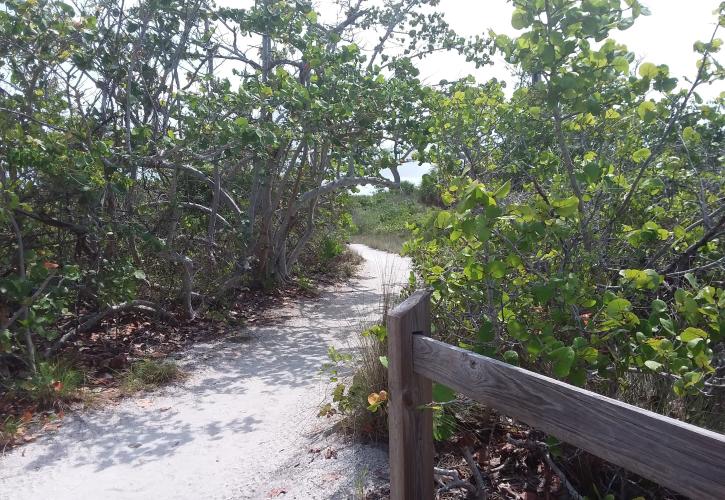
(134, 168)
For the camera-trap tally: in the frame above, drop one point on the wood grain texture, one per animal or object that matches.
(683, 457)
(410, 426)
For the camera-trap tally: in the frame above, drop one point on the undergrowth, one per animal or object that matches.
(359, 377)
(54, 383)
(333, 261)
(360, 380)
(9, 429)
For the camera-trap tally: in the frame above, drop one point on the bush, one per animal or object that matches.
(331, 248)
(328, 258)
(429, 192)
(408, 188)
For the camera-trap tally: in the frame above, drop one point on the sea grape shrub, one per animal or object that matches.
(582, 228)
(565, 324)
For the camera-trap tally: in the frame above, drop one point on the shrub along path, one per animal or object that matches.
(243, 425)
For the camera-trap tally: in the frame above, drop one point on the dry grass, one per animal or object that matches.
(345, 265)
(366, 374)
(337, 267)
(370, 377)
(654, 392)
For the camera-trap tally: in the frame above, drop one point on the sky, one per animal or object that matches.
(666, 36)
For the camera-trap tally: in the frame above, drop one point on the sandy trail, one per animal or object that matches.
(241, 426)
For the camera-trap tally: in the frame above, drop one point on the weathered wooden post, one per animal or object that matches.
(410, 424)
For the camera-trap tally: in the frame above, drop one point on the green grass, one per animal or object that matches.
(380, 219)
(148, 374)
(9, 429)
(53, 383)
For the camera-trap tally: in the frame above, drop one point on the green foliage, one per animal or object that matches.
(331, 248)
(444, 423)
(52, 384)
(137, 173)
(382, 220)
(573, 227)
(572, 239)
(377, 331)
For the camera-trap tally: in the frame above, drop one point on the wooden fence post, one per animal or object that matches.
(410, 426)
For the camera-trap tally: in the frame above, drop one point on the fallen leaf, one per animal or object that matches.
(585, 317)
(51, 426)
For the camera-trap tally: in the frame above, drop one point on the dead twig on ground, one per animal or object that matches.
(543, 451)
(457, 482)
(475, 471)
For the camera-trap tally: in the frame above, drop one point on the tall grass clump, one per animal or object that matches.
(359, 376)
(53, 383)
(148, 374)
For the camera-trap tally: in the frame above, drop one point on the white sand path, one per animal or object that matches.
(241, 426)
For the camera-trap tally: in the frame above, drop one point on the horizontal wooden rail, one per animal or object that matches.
(680, 456)
(683, 457)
